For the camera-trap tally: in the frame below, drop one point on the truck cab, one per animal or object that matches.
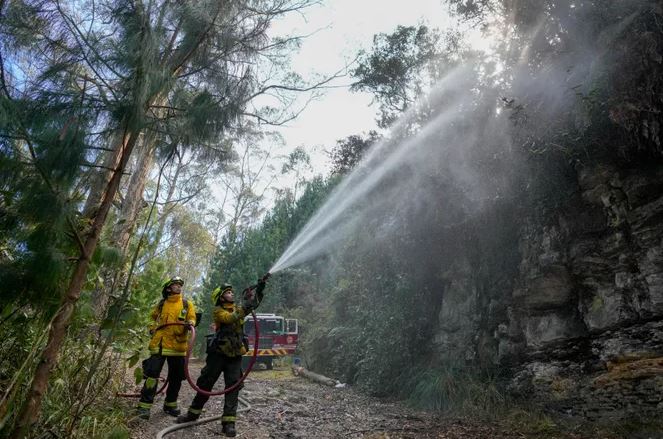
(278, 337)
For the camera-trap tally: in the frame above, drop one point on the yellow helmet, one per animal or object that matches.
(216, 294)
(171, 281)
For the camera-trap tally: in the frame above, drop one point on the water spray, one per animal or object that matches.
(369, 188)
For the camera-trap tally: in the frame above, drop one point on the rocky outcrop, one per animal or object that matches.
(581, 327)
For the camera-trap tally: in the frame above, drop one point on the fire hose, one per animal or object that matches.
(188, 355)
(245, 403)
(190, 349)
(244, 407)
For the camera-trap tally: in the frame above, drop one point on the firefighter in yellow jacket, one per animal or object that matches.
(224, 353)
(169, 344)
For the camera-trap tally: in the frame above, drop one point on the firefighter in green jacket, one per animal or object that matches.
(168, 344)
(224, 353)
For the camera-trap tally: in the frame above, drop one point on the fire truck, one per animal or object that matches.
(278, 338)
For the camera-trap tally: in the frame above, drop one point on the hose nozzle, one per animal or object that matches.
(265, 277)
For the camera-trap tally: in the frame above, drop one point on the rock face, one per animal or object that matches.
(580, 322)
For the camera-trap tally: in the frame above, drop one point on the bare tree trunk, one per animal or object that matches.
(100, 179)
(166, 210)
(300, 371)
(123, 229)
(133, 201)
(58, 326)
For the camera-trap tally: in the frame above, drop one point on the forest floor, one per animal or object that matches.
(285, 406)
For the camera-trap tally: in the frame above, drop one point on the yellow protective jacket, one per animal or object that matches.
(229, 320)
(171, 340)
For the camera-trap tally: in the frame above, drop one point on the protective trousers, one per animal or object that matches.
(152, 369)
(231, 367)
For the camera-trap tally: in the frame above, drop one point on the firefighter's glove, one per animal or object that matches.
(249, 300)
(260, 287)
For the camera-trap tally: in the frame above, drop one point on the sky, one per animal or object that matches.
(336, 31)
(340, 29)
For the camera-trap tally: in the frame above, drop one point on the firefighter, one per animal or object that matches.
(168, 344)
(224, 353)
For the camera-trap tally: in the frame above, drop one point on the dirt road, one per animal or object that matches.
(285, 406)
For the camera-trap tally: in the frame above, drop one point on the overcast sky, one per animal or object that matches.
(339, 28)
(343, 28)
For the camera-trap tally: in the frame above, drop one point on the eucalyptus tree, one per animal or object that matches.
(298, 164)
(402, 65)
(130, 69)
(347, 152)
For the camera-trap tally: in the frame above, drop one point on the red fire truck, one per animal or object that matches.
(278, 337)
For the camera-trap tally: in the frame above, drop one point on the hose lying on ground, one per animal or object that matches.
(244, 407)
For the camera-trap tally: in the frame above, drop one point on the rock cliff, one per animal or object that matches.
(576, 312)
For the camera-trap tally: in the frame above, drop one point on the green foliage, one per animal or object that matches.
(243, 261)
(402, 65)
(348, 152)
(138, 375)
(107, 255)
(81, 405)
(369, 311)
(456, 389)
(391, 69)
(78, 83)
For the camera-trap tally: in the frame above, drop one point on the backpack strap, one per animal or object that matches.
(185, 309)
(160, 306)
(185, 306)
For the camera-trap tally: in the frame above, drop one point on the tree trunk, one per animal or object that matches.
(58, 327)
(300, 371)
(99, 180)
(167, 208)
(123, 229)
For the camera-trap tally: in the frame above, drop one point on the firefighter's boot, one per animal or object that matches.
(171, 410)
(143, 413)
(229, 429)
(187, 417)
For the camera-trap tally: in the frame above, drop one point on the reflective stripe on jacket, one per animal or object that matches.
(171, 340)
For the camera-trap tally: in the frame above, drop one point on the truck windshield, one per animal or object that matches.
(267, 326)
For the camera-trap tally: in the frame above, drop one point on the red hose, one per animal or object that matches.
(242, 378)
(188, 354)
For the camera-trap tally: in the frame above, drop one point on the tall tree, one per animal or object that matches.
(138, 67)
(401, 66)
(348, 152)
